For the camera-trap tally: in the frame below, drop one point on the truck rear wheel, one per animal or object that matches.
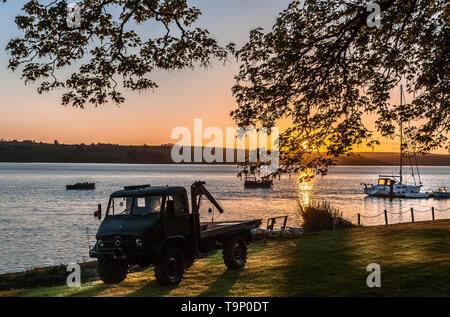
(235, 252)
(170, 268)
(112, 271)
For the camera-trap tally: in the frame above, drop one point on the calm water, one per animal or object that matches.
(42, 224)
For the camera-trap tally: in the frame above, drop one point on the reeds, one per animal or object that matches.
(320, 216)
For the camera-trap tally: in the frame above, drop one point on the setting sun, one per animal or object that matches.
(305, 145)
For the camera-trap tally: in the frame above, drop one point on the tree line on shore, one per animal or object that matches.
(31, 151)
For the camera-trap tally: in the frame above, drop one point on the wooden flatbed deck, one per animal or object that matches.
(216, 229)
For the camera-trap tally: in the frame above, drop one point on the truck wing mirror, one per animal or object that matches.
(98, 212)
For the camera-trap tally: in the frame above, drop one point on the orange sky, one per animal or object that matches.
(147, 117)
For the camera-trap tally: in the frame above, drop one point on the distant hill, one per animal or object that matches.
(13, 151)
(29, 151)
(390, 158)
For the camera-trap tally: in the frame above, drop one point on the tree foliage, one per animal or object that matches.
(106, 50)
(322, 68)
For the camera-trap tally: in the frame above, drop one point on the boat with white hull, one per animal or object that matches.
(393, 186)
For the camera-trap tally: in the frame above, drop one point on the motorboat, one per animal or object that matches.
(441, 193)
(392, 187)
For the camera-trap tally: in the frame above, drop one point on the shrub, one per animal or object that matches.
(319, 216)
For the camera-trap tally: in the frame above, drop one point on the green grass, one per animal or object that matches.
(45, 276)
(414, 260)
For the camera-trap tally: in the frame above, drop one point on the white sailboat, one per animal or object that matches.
(392, 186)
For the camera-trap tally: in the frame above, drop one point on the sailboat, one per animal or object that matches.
(252, 182)
(392, 186)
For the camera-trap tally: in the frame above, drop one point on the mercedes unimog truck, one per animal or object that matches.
(146, 225)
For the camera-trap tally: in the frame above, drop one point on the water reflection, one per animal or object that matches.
(399, 210)
(50, 222)
(342, 190)
(305, 188)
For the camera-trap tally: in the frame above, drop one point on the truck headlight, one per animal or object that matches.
(139, 242)
(100, 243)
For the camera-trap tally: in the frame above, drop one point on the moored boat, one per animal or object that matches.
(252, 182)
(393, 186)
(81, 186)
(441, 193)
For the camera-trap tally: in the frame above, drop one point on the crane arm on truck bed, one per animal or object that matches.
(197, 190)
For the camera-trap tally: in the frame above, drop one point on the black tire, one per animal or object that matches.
(235, 252)
(170, 268)
(112, 271)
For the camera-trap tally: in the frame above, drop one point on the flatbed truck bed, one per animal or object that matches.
(212, 230)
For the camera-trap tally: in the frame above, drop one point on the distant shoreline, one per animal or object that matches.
(201, 164)
(32, 152)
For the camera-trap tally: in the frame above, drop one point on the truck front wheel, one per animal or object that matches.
(112, 271)
(235, 252)
(170, 268)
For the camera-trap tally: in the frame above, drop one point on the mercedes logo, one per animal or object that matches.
(118, 241)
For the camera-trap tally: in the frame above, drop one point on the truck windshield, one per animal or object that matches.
(134, 205)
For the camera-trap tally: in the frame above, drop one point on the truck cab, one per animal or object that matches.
(146, 225)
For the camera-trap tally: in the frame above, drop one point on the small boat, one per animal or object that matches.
(81, 186)
(441, 193)
(252, 182)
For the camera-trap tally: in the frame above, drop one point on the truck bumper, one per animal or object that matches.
(117, 254)
(130, 256)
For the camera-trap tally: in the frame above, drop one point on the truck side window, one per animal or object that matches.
(147, 205)
(178, 203)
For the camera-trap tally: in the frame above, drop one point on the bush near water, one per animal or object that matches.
(321, 216)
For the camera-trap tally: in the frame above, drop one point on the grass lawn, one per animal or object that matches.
(414, 260)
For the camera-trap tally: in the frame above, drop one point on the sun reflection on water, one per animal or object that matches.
(305, 188)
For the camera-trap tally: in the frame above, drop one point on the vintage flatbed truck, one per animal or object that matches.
(147, 225)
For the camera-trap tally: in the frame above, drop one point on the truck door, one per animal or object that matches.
(176, 218)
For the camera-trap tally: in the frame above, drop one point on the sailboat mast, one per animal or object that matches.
(401, 137)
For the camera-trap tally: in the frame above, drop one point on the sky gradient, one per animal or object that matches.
(147, 117)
